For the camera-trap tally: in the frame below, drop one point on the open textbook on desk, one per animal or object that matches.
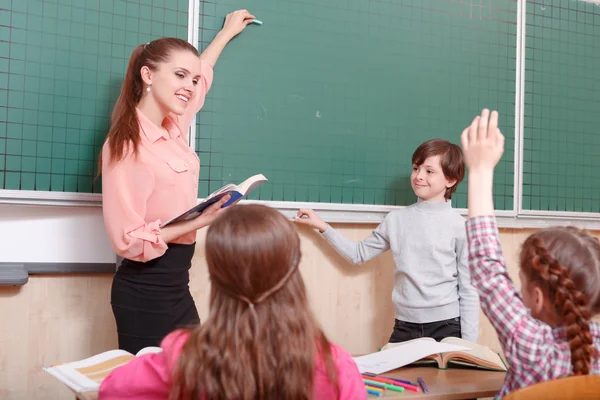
(236, 192)
(444, 354)
(87, 375)
(474, 355)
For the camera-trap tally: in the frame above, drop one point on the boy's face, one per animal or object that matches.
(428, 180)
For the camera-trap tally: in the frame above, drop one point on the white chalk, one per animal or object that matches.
(257, 22)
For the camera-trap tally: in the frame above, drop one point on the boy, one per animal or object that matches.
(432, 294)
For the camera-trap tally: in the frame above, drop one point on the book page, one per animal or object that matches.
(392, 345)
(403, 354)
(87, 374)
(235, 192)
(149, 350)
(487, 357)
(195, 211)
(432, 358)
(227, 188)
(251, 183)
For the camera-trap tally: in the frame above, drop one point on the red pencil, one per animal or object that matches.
(391, 382)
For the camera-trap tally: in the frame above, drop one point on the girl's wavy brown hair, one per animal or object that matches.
(565, 263)
(261, 340)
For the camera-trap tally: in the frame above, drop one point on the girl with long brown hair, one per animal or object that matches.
(260, 341)
(149, 175)
(546, 332)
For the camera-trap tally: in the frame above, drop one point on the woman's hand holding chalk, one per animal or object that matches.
(235, 22)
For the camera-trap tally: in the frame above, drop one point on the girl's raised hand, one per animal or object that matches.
(482, 142)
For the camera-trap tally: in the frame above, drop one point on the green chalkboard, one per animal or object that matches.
(329, 99)
(561, 142)
(61, 67)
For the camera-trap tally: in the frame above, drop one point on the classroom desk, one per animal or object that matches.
(449, 384)
(87, 396)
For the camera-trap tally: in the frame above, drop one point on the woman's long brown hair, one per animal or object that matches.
(565, 263)
(124, 128)
(261, 340)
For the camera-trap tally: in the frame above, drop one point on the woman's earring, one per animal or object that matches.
(148, 89)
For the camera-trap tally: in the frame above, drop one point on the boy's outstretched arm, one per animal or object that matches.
(357, 253)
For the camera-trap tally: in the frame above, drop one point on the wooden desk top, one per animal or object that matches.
(449, 384)
(87, 396)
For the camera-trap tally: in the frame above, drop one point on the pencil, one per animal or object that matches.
(391, 382)
(391, 379)
(422, 383)
(375, 392)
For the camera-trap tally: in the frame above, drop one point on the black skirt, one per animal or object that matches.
(151, 299)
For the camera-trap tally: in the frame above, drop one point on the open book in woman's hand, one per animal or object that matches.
(235, 191)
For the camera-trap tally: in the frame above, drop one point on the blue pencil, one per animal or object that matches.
(391, 379)
(422, 383)
(375, 392)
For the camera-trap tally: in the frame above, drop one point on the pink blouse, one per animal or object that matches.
(148, 377)
(140, 192)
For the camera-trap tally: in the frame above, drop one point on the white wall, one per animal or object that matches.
(53, 234)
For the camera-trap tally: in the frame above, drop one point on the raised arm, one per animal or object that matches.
(521, 336)
(235, 23)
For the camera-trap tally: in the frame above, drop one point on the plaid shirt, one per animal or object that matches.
(535, 352)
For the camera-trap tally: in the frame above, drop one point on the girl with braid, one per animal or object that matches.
(546, 332)
(260, 341)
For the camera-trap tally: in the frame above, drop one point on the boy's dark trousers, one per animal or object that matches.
(438, 330)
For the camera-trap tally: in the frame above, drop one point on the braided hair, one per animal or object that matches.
(565, 263)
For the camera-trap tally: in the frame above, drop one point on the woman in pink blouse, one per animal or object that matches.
(149, 175)
(260, 341)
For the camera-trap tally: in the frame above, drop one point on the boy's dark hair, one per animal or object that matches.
(451, 159)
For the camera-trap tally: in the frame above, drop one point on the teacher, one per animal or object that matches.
(149, 175)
